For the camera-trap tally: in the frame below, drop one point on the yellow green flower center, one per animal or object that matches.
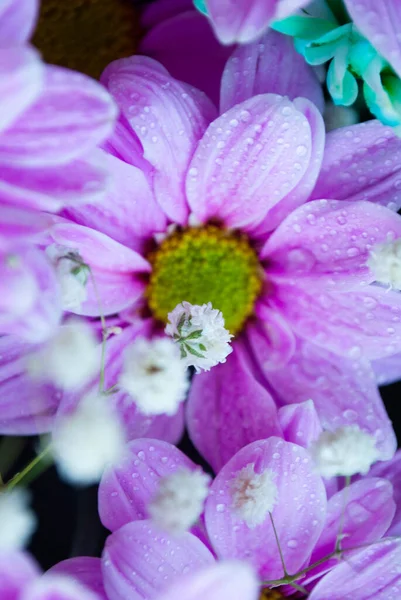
(205, 264)
(86, 35)
(271, 595)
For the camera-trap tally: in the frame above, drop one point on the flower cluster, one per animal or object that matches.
(199, 253)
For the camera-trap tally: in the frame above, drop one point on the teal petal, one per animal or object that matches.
(341, 84)
(385, 101)
(201, 6)
(306, 28)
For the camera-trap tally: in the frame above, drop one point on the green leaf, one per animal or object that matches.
(181, 322)
(194, 335)
(183, 353)
(202, 347)
(194, 352)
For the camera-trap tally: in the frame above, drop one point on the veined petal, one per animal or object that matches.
(240, 21)
(70, 117)
(329, 241)
(17, 21)
(297, 486)
(230, 579)
(19, 224)
(128, 213)
(167, 117)
(364, 512)
(357, 576)
(344, 392)
(227, 409)
(361, 162)
(300, 423)
(380, 22)
(364, 323)
(270, 65)
(391, 470)
(86, 570)
(21, 79)
(387, 370)
(249, 159)
(115, 268)
(136, 565)
(126, 489)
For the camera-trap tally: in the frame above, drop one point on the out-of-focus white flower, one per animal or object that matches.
(17, 520)
(254, 494)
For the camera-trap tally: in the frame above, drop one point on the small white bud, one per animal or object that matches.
(154, 376)
(17, 520)
(179, 501)
(72, 274)
(199, 330)
(70, 359)
(88, 440)
(346, 451)
(385, 263)
(254, 494)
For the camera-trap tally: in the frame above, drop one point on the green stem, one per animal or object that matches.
(278, 545)
(20, 476)
(104, 333)
(342, 516)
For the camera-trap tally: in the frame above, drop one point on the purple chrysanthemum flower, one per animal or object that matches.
(268, 476)
(252, 235)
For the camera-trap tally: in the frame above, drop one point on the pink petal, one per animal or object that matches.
(26, 407)
(302, 190)
(300, 423)
(21, 78)
(391, 470)
(300, 508)
(70, 117)
(223, 418)
(372, 573)
(344, 392)
(126, 490)
(129, 213)
(50, 188)
(387, 370)
(380, 22)
(330, 242)
(17, 572)
(30, 304)
(248, 160)
(270, 65)
(139, 561)
(85, 570)
(186, 45)
(286, 8)
(369, 510)
(232, 579)
(272, 342)
(115, 268)
(241, 21)
(362, 162)
(53, 587)
(167, 118)
(365, 323)
(18, 224)
(17, 21)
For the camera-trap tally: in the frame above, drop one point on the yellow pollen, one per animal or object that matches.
(205, 264)
(86, 35)
(266, 594)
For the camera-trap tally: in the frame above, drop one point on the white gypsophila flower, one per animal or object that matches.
(70, 359)
(85, 442)
(254, 494)
(179, 501)
(17, 520)
(345, 451)
(199, 331)
(154, 376)
(385, 263)
(72, 274)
